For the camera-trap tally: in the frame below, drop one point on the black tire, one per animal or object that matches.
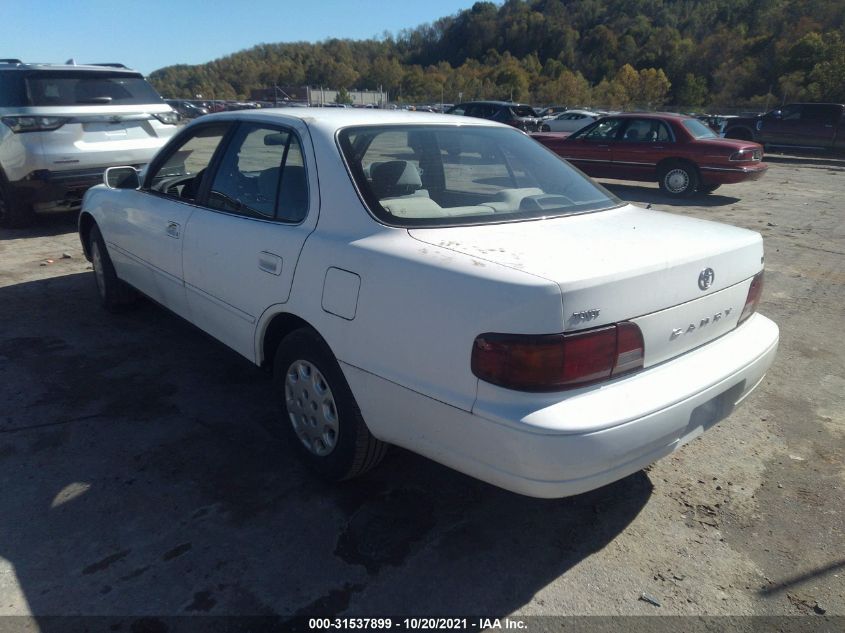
(348, 447)
(545, 128)
(678, 179)
(114, 294)
(708, 188)
(13, 213)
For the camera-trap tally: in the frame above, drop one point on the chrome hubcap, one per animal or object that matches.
(97, 263)
(311, 407)
(676, 180)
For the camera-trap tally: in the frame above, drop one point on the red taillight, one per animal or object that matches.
(552, 362)
(753, 298)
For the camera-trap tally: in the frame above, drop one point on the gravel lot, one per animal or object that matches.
(139, 476)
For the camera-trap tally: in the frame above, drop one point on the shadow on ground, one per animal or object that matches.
(643, 194)
(43, 225)
(142, 476)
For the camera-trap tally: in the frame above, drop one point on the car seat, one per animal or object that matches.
(395, 178)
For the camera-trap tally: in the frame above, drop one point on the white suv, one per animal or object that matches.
(61, 126)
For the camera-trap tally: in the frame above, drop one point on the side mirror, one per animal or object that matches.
(777, 114)
(121, 178)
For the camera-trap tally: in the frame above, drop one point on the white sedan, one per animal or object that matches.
(446, 285)
(569, 121)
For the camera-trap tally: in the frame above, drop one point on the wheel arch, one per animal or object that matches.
(673, 160)
(86, 223)
(278, 327)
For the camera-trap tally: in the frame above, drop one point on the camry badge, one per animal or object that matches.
(705, 279)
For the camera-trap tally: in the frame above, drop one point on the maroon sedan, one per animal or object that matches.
(679, 152)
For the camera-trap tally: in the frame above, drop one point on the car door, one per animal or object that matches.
(781, 127)
(818, 124)
(242, 245)
(640, 147)
(145, 233)
(591, 148)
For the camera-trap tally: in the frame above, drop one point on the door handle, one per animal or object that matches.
(270, 263)
(173, 229)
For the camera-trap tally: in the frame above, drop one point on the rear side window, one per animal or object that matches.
(12, 92)
(65, 88)
(646, 131)
(523, 111)
(821, 113)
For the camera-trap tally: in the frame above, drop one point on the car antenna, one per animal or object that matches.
(70, 62)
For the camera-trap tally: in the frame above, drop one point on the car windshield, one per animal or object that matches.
(432, 175)
(65, 88)
(698, 129)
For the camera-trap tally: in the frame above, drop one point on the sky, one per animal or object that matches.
(150, 34)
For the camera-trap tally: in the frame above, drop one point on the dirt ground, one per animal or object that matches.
(139, 478)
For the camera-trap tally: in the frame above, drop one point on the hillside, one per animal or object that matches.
(693, 53)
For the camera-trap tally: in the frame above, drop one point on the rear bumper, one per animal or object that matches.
(720, 175)
(57, 190)
(590, 439)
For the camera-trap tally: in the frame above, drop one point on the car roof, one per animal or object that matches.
(493, 102)
(650, 115)
(330, 120)
(16, 65)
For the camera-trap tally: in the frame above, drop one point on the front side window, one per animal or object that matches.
(432, 175)
(181, 173)
(604, 130)
(261, 175)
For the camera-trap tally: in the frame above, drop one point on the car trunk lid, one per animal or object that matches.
(627, 264)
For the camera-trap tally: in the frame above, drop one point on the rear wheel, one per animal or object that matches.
(320, 418)
(114, 293)
(678, 179)
(545, 128)
(13, 213)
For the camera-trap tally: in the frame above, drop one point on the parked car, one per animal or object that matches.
(550, 112)
(716, 122)
(516, 115)
(62, 125)
(679, 152)
(804, 126)
(186, 109)
(505, 316)
(569, 121)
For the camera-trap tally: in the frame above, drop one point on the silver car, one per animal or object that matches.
(61, 126)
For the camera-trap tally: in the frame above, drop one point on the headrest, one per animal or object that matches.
(395, 178)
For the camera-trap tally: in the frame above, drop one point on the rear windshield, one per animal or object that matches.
(698, 129)
(12, 90)
(66, 88)
(433, 175)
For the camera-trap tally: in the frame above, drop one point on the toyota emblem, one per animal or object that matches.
(705, 279)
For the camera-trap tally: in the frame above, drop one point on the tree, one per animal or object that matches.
(343, 97)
